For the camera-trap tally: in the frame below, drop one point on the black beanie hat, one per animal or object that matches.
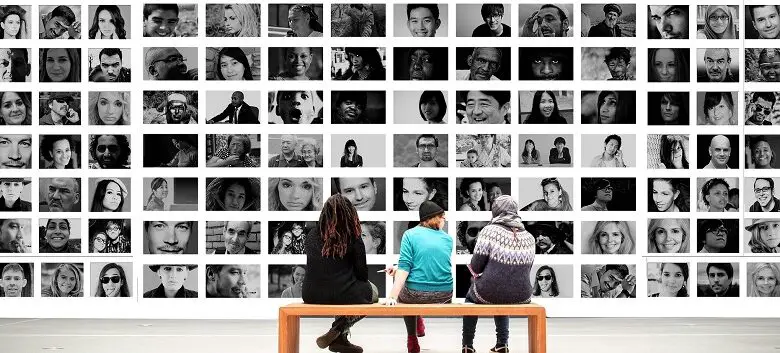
(429, 209)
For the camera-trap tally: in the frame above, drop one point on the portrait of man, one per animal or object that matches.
(720, 152)
(486, 107)
(668, 22)
(167, 64)
(603, 190)
(546, 63)
(11, 195)
(766, 21)
(618, 61)
(110, 68)
(714, 236)
(608, 281)
(15, 151)
(549, 21)
(360, 191)
(350, 107)
(62, 194)
(237, 112)
(422, 20)
(13, 281)
(550, 239)
(764, 189)
(427, 151)
(720, 281)
(12, 236)
(717, 66)
(60, 111)
(429, 63)
(235, 235)
(226, 281)
(297, 107)
(160, 20)
(608, 27)
(172, 282)
(492, 15)
(288, 158)
(109, 152)
(57, 236)
(761, 108)
(60, 23)
(17, 64)
(483, 63)
(170, 237)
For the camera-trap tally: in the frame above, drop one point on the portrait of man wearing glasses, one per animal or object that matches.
(167, 64)
(714, 236)
(492, 15)
(603, 190)
(764, 189)
(760, 110)
(427, 150)
(109, 152)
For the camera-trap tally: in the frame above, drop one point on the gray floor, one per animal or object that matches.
(385, 335)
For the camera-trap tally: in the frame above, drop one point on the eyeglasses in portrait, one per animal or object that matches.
(288, 237)
(171, 63)
(608, 194)
(763, 198)
(109, 151)
(718, 236)
(420, 151)
(112, 280)
(110, 236)
(552, 281)
(59, 108)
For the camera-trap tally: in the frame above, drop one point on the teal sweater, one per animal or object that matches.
(426, 254)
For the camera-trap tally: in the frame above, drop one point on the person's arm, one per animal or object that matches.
(359, 160)
(174, 162)
(360, 267)
(221, 116)
(399, 280)
(585, 289)
(401, 272)
(216, 162)
(481, 254)
(343, 162)
(566, 156)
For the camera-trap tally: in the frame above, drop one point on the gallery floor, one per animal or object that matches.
(384, 335)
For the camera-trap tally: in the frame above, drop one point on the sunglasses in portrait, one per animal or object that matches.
(111, 148)
(114, 279)
(544, 278)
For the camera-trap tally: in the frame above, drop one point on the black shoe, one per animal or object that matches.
(497, 349)
(326, 339)
(342, 345)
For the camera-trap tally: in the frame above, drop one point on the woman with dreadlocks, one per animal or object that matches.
(336, 271)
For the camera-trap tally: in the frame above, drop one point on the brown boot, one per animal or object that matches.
(342, 345)
(326, 339)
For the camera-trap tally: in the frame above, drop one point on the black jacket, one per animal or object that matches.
(601, 30)
(19, 205)
(331, 280)
(245, 116)
(566, 159)
(159, 292)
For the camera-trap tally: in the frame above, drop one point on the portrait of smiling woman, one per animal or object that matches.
(668, 236)
(667, 279)
(763, 279)
(60, 65)
(60, 151)
(233, 20)
(15, 108)
(62, 280)
(109, 195)
(609, 238)
(668, 195)
(411, 192)
(111, 280)
(233, 63)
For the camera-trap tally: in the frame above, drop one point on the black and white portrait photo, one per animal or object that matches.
(358, 20)
(59, 65)
(15, 235)
(718, 151)
(668, 22)
(546, 63)
(762, 197)
(546, 107)
(170, 194)
(431, 107)
(170, 107)
(608, 194)
(668, 151)
(109, 195)
(466, 233)
(358, 63)
(170, 281)
(233, 281)
(62, 280)
(608, 237)
(759, 108)
(109, 108)
(420, 63)
(483, 64)
(17, 21)
(484, 107)
(233, 150)
(668, 108)
(762, 21)
(762, 236)
(171, 64)
(233, 237)
(669, 236)
(546, 150)
(608, 281)
(170, 20)
(233, 107)
(716, 194)
(295, 63)
(295, 151)
(233, 63)
(16, 108)
(18, 65)
(546, 194)
(233, 194)
(608, 20)
(60, 194)
(233, 20)
(610, 151)
(295, 20)
(668, 64)
(175, 151)
(717, 108)
(358, 107)
(109, 65)
(295, 194)
(717, 22)
(16, 280)
(60, 22)
(762, 279)
(420, 151)
(759, 151)
(170, 237)
(357, 151)
(718, 236)
(16, 151)
(717, 279)
(608, 107)
(421, 20)
(719, 65)
(288, 237)
(610, 64)
(548, 20)
(59, 108)
(668, 195)
(112, 280)
(365, 193)
(109, 22)
(295, 107)
(374, 236)
(410, 192)
(15, 193)
(478, 194)
(110, 236)
(762, 65)
(59, 235)
(668, 279)
(552, 281)
(286, 281)
(485, 20)
(483, 151)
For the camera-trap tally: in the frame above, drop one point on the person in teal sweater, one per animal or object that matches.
(424, 271)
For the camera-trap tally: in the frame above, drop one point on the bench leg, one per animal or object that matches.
(537, 334)
(289, 333)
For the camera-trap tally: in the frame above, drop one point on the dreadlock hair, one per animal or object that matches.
(338, 221)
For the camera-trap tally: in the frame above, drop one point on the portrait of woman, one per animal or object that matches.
(172, 281)
(472, 195)
(717, 236)
(762, 155)
(289, 238)
(60, 65)
(233, 194)
(555, 198)
(373, 234)
(241, 20)
(719, 109)
(608, 106)
(667, 108)
(294, 194)
(718, 23)
(714, 196)
(13, 22)
(764, 236)
(232, 64)
(295, 290)
(234, 152)
(159, 193)
(668, 195)
(668, 236)
(351, 159)
(545, 283)
(109, 108)
(66, 281)
(672, 281)
(544, 109)
(310, 152)
(610, 238)
(59, 152)
(296, 63)
(303, 22)
(411, 192)
(668, 65)
(763, 280)
(112, 235)
(364, 64)
(530, 154)
(673, 152)
(15, 108)
(108, 23)
(99, 241)
(109, 196)
(433, 107)
(112, 282)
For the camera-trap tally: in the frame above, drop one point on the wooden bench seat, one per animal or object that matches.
(290, 315)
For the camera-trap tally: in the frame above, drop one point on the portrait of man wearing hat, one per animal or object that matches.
(11, 195)
(603, 191)
(167, 64)
(550, 240)
(60, 112)
(608, 27)
(172, 280)
(764, 235)
(769, 64)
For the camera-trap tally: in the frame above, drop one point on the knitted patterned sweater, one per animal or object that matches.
(503, 256)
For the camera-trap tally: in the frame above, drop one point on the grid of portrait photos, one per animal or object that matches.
(616, 127)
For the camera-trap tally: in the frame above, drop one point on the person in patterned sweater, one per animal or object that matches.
(504, 253)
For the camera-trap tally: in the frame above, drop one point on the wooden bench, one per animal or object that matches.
(290, 316)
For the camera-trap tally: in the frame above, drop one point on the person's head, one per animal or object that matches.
(159, 188)
(66, 281)
(764, 189)
(176, 109)
(559, 143)
(231, 64)
(172, 277)
(338, 223)
(165, 63)
(427, 147)
(433, 106)
(11, 188)
(761, 152)
(15, 151)
(612, 277)
(298, 274)
(350, 105)
(60, 65)
(422, 20)
(665, 193)
(612, 144)
(546, 64)
(364, 58)
(310, 149)
(235, 235)
(766, 20)
(546, 282)
(360, 191)
(544, 106)
(59, 104)
(241, 20)
(57, 22)
(168, 237)
(493, 191)
(239, 145)
(113, 282)
(674, 279)
(237, 98)
(235, 194)
(109, 108)
(350, 147)
(611, 237)
(12, 280)
(603, 190)
(293, 106)
(487, 107)
(720, 151)
(288, 144)
(415, 191)
(373, 235)
(765, 235)
(553, 193)
(671, 21)
(107, 23)
(484, 62)
(719, 108)
(529, 147)
(63, 195)
(546, 235)
(671, 108)
(715, 193)
(553, 21)
(611, 14)
(765, 277)
(110, 63)
(667, 65)
(15, 65)
(432, 215)
(10, 230)
(717, 62)
(110, 151)
(764, 103)
(718, 22)
(303, 20)
(226, 281)
(294, 194)
(734, 197)
(297, 60)
(160, 20)
(472, 155)
(769, 64)
(13, 22)
(720, 275)
(57, 233)
(618, 60)
(114, 230)
(668, 235)
(713, 235)
(492, 14)
(422, 64)
(99, 242)
(15, 108)
(109, 196)
(607, 105)
(673, 152)
(472, 190)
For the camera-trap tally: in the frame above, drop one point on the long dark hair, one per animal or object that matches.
(235, 53)
(536, 116)
(352, 143)
(438, 96)
(553, 287)
(100, 194)
(18, 11)
(680, 59)
(667, 151)
(124, 290)
(338, 223)
(534, 152)
(116, 19)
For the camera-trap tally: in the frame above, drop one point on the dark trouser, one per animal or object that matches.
(344, 322)
(470, 327)
(409, 296)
